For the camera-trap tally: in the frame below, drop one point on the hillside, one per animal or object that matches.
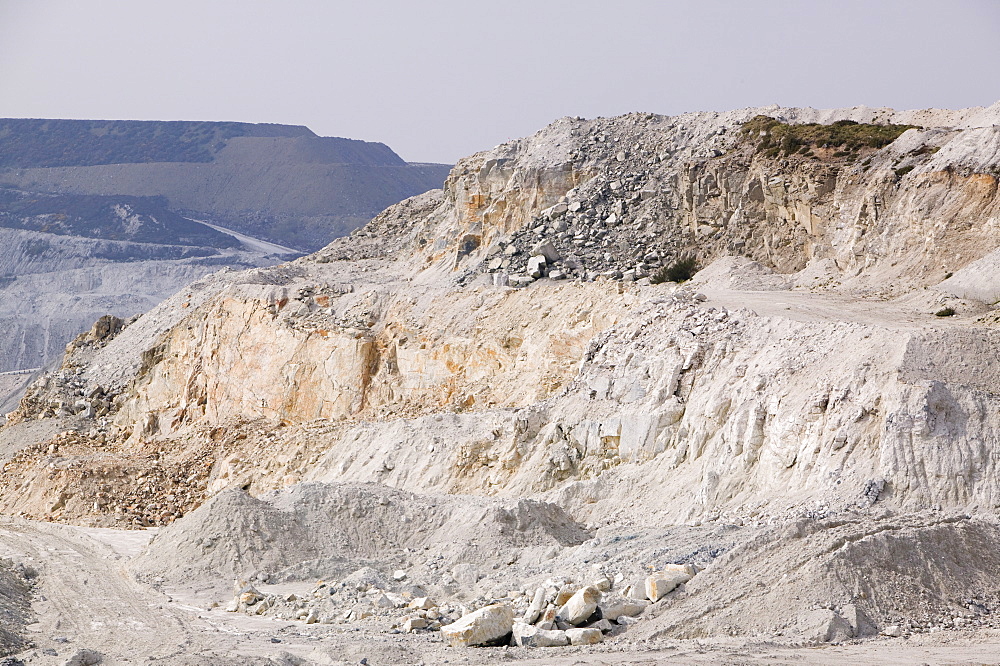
(28, 142)
(493, 398)
(277, 182)
(85, 204)
(135, 219)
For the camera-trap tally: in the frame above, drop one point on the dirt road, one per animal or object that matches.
(86, 599)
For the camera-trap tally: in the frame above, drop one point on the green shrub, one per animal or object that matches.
(902, 171)
(945, 312)
(681, 270)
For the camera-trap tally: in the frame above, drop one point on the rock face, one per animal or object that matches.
(316, 343)
(800, 384)
(55, 286)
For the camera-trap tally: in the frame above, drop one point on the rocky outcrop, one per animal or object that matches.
(390, 356)
(622, 197)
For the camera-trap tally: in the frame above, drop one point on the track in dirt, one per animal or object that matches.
(85, 596)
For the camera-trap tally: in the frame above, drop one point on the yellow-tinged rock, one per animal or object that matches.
(664, 582)
(584, 636)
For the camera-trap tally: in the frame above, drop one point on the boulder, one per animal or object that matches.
(536, 607)
(618, 606)
(249, 595)
(536, 266)
(525, 635)
(636, 590)
(546, 249)
(688, 569)
(861, 624)
(85, 658)
(383, 601)
(893, 631)
(465, 574)
(422, 603)
(663, 582)
(565, 592)
(481, 627)
(414, 623)
(587, 636)
(553, 212)
(825, 626)
(605, 625)
(581, 605)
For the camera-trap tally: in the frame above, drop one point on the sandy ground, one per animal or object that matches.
(84, 599)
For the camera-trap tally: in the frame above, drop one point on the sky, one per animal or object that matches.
(438, 80)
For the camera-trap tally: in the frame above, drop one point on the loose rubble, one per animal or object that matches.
(556, 614)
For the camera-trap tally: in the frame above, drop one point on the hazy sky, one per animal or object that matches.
(439, 80)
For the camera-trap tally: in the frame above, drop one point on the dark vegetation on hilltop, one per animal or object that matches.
(27, 143)
(125, 218)
(847, 136)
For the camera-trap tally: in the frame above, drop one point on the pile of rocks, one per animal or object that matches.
(626, 220)
(363, 595)
(559, 612)
(582, 615)
(563, 613)
(565, 242)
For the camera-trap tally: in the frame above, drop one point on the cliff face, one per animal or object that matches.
(626, 194)
(803, 369)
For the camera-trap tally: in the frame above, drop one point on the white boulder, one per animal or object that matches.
(480, 627)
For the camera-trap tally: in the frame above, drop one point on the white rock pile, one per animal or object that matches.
(559, 612)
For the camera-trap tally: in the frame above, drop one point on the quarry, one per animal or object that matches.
(715, 388)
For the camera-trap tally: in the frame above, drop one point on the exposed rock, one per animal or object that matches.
(581, 605)
(414, 623)
(664, 582)
(525, 635)
(586, 636)
(534, 610)
(547, 250)
(85, 657)
(482, 627)
(825, 626)
(614, 607)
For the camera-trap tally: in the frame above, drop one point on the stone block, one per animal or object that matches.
(581, 605)
(481, 627)
(587, 636)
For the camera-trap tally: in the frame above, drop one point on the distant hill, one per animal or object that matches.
(122, 218)
(282, 183)
(104, 216)
(31, 142)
